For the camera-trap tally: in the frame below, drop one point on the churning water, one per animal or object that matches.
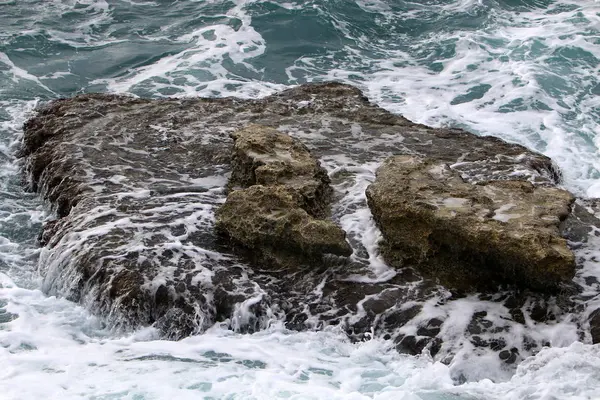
(525, 71)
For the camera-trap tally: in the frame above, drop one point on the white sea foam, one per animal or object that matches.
(356, 219)
(56, 350)
(200, 69)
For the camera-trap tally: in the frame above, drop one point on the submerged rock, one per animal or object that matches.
(471, 236)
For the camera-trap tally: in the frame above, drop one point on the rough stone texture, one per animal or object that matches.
(264, 156)
(471, 236)
(136, 182)
(270, 219)
(276, 216)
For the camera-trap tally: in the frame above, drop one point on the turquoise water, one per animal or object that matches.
(526, 71)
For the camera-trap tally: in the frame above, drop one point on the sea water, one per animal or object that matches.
(525, 71)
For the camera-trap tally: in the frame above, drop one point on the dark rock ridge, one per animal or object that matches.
(136, 183)
(277, 216)
(595, 325)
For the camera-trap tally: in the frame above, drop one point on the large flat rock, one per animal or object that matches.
(135, 184)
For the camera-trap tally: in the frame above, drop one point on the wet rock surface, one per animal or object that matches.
(595, 326)
(136, 183)
(471, 236)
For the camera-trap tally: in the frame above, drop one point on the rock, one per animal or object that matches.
(264, 156)
(583, 224)
(478, 323)
(471, 236)
(136, 184)
(285, 189)
(509, 356)
(540, 312)
(270, 219)
(129, 242)
(432, 328)
(409, 344)
(594, 321)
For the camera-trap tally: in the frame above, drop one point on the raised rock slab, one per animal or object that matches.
(471, 236)
(268, 218)
(276, 214)
(264, 156)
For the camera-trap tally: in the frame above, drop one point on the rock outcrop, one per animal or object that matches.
(287, 190)
(136, 185)
(471, 236)
(264, 156)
